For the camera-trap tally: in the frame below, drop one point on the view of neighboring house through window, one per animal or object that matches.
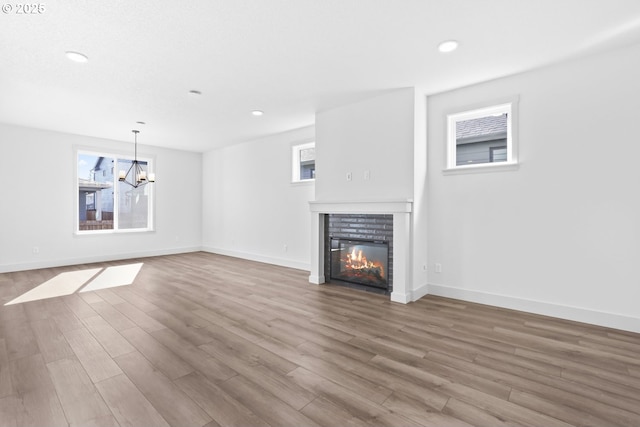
(304, 162)
(481, 137)
(498, 154)
(476, 139)
(104, 203)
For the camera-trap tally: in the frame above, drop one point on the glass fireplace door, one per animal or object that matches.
(360, 261)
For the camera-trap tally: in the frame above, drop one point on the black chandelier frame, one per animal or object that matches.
(136, 176)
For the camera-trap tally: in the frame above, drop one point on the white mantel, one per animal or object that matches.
(401, 211)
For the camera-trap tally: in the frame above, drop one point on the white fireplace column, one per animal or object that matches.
(401, 211)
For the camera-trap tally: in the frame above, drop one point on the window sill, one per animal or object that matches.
(481, 168)
(113, 232)
(306, 181)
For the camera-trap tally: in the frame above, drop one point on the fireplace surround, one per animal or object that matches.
(400, 243)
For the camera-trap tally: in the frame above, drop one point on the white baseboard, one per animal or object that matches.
(316, 280)
(578, 314)
(7, 268)
(260, 258)
(401, 298)
(422, 290)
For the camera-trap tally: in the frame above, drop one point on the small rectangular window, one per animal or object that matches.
(303, 162)
(91, 201)
(482, 137)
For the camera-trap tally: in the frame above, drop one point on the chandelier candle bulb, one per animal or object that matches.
(122, 175)
(151, 177)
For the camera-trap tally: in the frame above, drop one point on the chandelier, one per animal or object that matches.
(136, 176)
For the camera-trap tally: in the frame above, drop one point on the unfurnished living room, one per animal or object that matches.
(320, 213)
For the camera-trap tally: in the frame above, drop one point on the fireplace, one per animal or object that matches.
(371, 221)
(362, 262)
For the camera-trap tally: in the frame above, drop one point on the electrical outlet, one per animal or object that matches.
(349, 176)
(36, 250)
(367, 175)
(438, 267)
(285, 248)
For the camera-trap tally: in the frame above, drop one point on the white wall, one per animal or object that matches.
(419, 228)
(561, 235)
(39, 191)
(251, 208)
(377, 135)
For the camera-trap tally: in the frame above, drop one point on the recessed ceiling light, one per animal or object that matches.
(76, 56)
(195, 93)
(448, 46)
(257, 112)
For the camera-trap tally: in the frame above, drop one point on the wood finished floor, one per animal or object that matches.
(206, 340)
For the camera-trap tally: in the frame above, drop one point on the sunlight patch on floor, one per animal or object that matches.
(111, 277)
(63, 284)
(73, 281)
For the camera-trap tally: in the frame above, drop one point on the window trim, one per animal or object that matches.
(295, 161)
(508, 105)
(116, 155)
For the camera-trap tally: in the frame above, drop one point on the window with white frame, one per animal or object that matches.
(303, 162)
(105, 204)
(482, 137)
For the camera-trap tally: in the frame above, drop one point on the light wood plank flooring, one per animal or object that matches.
(206, 340)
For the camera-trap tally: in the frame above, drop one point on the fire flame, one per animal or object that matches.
(357, 261)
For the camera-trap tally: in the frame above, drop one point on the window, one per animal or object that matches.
(91, 197)
(104, 204)
(482, 138)
(304, 162)
(498, 154)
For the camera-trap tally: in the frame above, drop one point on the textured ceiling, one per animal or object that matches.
(290, 58)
